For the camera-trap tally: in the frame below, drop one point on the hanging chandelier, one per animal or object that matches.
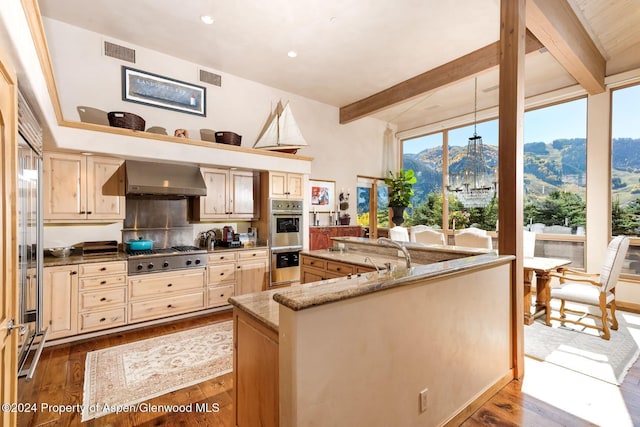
(474, 186)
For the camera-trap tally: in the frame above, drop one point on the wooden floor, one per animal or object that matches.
(59, 381)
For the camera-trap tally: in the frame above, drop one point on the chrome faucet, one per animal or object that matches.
(388, 242)
(368, 259)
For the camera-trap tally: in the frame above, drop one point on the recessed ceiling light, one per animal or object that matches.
(292, 54)
(206, 19)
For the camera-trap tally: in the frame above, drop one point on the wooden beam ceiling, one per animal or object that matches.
(464, 67)
(550, 23)
(555, 24)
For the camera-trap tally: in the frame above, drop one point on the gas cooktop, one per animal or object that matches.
(166, 259)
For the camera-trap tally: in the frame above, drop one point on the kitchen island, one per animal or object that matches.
(359, 350)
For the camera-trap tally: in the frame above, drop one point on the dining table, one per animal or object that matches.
(540, 267)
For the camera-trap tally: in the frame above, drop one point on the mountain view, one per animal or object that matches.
(560, 165)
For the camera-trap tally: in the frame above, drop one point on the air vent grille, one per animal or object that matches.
(119, 52)
(211, 78)
(28, 125)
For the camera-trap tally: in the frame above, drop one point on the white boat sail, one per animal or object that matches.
(282, 134)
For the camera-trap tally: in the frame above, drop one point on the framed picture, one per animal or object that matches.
(152, 89)
(323, 195)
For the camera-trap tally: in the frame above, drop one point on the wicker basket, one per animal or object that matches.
(228, 138)
(121, 119)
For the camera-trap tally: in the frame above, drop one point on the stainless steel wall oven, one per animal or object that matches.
(285, 238)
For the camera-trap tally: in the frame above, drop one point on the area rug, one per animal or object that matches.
(117, 377)
(582, 350)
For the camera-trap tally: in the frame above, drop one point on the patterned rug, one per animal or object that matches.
(582, 350)
(128, 374)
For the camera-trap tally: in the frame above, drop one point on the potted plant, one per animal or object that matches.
(400, 187)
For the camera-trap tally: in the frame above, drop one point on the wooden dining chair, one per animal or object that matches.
(597, 290)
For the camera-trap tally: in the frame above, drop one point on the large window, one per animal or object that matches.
(555, 164)
(625, 170)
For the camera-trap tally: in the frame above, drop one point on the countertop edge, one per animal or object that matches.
(421, 272)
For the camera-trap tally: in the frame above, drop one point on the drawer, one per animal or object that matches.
(221, 257)
(158, 284)
(217, 274)
(314, 262)
(164, 307)
(364, 269)
(102, 298)
(218, 295)
(343, 269)
(103, 282)
(103, 319)
(103, 268)
(258, 253)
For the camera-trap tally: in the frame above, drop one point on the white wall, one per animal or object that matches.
(85, 77)
(364, 361)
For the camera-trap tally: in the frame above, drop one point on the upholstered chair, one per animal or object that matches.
(473, 238)
(426, 235)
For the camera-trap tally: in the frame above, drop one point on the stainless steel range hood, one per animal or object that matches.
(137, 178)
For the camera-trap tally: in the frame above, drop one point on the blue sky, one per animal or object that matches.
(566, 120)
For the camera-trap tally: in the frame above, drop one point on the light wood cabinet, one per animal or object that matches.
(60, 301)
(313, 269)
(286, 185)
(253, 272)
(255, 379)
(102, 297)
(230, 194)
(157, 295)
(221, 277)
(73, 188)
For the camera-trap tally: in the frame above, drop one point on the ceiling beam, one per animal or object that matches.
(555, 24)
(464, 67)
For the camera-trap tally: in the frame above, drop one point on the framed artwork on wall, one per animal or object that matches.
(323, 195)
(163, 92)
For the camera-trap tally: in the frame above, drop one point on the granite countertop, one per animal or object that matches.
(355, 258)
(264, 306)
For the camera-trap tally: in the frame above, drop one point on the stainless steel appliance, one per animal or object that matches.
(30, 229)
(166, 259)
(285, 223)
(164, 222)
(285, 236)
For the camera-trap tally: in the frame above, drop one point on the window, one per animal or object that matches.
(424, 155)
(625, 170)
(555, 164)
(373, 200)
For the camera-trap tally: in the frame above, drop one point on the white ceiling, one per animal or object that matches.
(348, 49)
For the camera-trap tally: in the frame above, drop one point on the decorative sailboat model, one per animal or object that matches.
(282, 134)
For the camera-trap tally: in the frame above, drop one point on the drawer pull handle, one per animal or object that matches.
(104, 282)
(221, 295)
(103, 319)
(103, 269)
(73, 272)
(254, 254)
(103, 299)
(169, 306)
(222, 274)
(170, 285)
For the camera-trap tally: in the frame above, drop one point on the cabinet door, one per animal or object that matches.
(295, 187)
(252, 276)
(242, 191)
(309, 275)
(319, 238)
(215, 205)
(278, 184)
(64, 186)
(99, 206)
(60, 301)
